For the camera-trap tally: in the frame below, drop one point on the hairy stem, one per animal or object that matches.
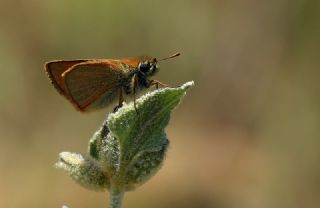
(116, 197)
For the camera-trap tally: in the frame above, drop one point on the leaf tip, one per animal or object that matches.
(187, 85)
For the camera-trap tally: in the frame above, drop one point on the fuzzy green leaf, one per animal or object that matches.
(129, 147)
(140, 132)
(104, 149)
(83, 171)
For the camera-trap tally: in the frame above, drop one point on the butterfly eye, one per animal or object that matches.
(144, 67)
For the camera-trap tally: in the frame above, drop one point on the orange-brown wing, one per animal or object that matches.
(55, 69)
(134, 62)
(93, 84)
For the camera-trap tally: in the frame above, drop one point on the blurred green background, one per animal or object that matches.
(247, 135)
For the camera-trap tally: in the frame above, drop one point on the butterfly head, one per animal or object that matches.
(148, 67)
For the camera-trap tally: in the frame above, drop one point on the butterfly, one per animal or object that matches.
(96, 83)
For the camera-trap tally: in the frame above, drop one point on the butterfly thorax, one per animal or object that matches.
(141, 71)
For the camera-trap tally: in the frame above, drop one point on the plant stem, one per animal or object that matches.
(116, 197)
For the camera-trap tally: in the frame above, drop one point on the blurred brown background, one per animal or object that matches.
(247, 135)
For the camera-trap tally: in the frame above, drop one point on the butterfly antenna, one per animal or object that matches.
(172, 56)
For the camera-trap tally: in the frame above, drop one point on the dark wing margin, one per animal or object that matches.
(55, 69)
(92, 85)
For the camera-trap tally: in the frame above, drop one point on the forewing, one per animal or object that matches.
(55, 69)
(134, 62)
(93, 84)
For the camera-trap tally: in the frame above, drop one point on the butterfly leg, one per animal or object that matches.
(157, 83)
(134, 89)
(120, 100)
